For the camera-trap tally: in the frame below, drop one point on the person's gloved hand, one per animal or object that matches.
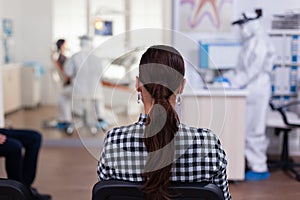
(223, 80)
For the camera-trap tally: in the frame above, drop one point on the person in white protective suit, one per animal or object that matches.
(85, 71)
(253, 72)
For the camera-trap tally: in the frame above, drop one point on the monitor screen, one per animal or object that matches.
(106, 30)
(218, 54)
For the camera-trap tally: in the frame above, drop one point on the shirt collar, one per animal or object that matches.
(142, 118)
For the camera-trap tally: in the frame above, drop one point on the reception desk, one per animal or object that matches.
(223, 112)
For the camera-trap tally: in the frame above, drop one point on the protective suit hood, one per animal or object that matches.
(85, 42)
(249, 24)
(250, 29)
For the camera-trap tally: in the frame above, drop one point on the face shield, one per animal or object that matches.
(249, 24)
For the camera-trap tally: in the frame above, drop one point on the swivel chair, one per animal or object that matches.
(124, 190)
(14, 190)
(284, 121)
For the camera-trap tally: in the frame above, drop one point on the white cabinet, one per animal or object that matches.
(30, 87)
(20, 87)
(11, 81)
(223, 112)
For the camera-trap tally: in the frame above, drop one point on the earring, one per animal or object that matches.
(178, 106)
(139, 97)
(178, 99)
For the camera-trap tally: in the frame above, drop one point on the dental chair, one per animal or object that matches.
(284, 122)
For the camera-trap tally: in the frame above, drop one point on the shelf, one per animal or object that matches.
(281, 95)
(287, 63)
(283, 32)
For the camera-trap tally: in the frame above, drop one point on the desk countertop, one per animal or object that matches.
(216, 92)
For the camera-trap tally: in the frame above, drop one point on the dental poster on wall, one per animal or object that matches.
(203, 15)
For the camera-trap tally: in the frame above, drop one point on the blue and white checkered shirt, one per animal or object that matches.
(198, 156)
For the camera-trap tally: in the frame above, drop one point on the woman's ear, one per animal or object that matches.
(182, 85)
(137, 84)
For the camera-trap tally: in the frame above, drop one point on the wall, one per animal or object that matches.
(32, 38)
(32, 28)
(69, 22)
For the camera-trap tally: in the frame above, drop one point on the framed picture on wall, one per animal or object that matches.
(192, 16)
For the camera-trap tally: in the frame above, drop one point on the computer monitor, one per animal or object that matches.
(218, 54)
(106, 30)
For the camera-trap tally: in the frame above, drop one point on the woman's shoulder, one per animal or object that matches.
(187, 128)
(202, 133)
(125, 131)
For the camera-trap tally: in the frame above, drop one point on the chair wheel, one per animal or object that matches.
(69, 130)
(94, 130)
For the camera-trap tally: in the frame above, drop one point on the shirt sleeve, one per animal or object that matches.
(101, 169)
(104, 171)
(220, 179)
(70, 67)
(102, 165)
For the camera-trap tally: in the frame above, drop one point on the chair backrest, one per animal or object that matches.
(14, 190)
(123, 190)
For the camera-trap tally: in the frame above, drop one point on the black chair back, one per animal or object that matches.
(123, 190)
(14, 190)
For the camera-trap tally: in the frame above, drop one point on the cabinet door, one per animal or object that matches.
(226, 117)
(30, 87)
(11, 88)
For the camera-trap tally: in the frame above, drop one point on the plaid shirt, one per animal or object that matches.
(198, 156)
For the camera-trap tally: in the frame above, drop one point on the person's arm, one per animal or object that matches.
(104, 171)
(220, 179)
(2, 138)
(252, 62)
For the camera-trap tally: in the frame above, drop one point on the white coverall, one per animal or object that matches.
(253, 72)
(85, 70)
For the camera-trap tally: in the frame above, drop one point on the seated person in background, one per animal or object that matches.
(21, 167)
(158, 148)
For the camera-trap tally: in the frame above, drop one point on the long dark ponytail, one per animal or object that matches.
(161, 71)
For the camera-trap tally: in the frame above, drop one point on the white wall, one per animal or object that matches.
(69, 22)
(146, 14)
(32, 26)
(12, 10)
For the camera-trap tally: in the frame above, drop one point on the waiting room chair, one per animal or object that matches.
(284, 121)
(123, 190)
(14, 190)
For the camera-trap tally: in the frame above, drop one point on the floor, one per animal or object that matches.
(67, 163)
